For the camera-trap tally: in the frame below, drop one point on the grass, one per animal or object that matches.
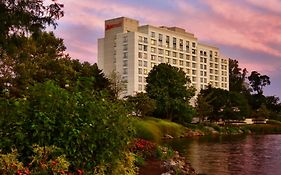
(154, 129)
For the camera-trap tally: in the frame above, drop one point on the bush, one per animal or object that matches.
(90, 129)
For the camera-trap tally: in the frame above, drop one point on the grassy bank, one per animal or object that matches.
(156, 129)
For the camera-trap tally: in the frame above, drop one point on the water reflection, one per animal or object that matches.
(247, 155)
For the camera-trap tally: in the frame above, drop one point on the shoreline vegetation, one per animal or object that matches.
(159, 130)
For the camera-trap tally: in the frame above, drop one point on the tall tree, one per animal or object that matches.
(258, 82)
(237, 77)
(168, 86)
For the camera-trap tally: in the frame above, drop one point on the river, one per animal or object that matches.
(237, 155)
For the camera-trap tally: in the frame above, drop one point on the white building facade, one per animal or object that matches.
(133, 50)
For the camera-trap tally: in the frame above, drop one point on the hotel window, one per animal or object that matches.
(140, 62)
(160, 51)
(201, 80)
(187, 64)
(193, 58)
(193, 65)
(125, 63)
(140, 71)
(181, 63)
(160, 37)
(181, 55)
(205, 53)
(144, 39)
(216, 53)
(144, 55)
(167, 52)
(205, 60)
(193, 51)
(140, 55)
(144, 47)
(194, 79)
(153, 49)
(174, 61)
(125, 47)
(187, 46)
(188, 71)
(145, 71)
(174, 43)
(216, 78)
(216, 72)
(140, 46)
(160, 59)
(205, 74)
(205, 67)
(125, 71)
(140, 38)
(125, 39)
(216, 65)
(205, 80)
(140, 87)
(167, 41)
(201, 52)
(201, 73)
(152, 34)
(211, 77)
(211, 71)
(174, 54)
(216, 59)
(152, 64)
(153, 57)
(201, 66)
(168, 60)
(193, 44)
(181, 44)
(144, 63)
(187, 57)
(153, 42)
(193, 72)
(211, 64)
(125, 55)
(140, 79)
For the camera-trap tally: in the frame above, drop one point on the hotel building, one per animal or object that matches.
(133, 50)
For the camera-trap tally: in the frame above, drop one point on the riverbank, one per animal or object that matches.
(156, 130)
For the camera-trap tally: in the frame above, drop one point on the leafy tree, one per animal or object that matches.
(258, 82)
(51, 115)
(203, 107)
(117, 84)
(168, 86)
(226, 104)
(142, 105)
(237, 77)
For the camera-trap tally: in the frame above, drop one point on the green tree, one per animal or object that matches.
(141, 104)
(237, 77)
(226, 104)
(258, 82)
(203, 107)
(168, 86)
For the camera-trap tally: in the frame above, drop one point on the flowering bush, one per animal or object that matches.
(143, 147)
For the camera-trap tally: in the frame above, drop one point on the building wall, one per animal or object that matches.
(133, 50)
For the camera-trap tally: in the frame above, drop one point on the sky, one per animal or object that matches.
(246, 30)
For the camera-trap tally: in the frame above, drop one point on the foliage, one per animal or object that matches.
(154, 129)
(236, 77)
(142, 105)
(258, 81)
(168, 86)
(225, 104)
(203, 107)
(51, 115)
(117, 84)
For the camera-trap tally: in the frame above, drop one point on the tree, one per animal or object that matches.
(142, 105)
(117, 84)
(203, 107)
(258, 82)
(226, 104)
(236, 77)
(168, 86)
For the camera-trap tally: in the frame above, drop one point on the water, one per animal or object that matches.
(235, 155)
